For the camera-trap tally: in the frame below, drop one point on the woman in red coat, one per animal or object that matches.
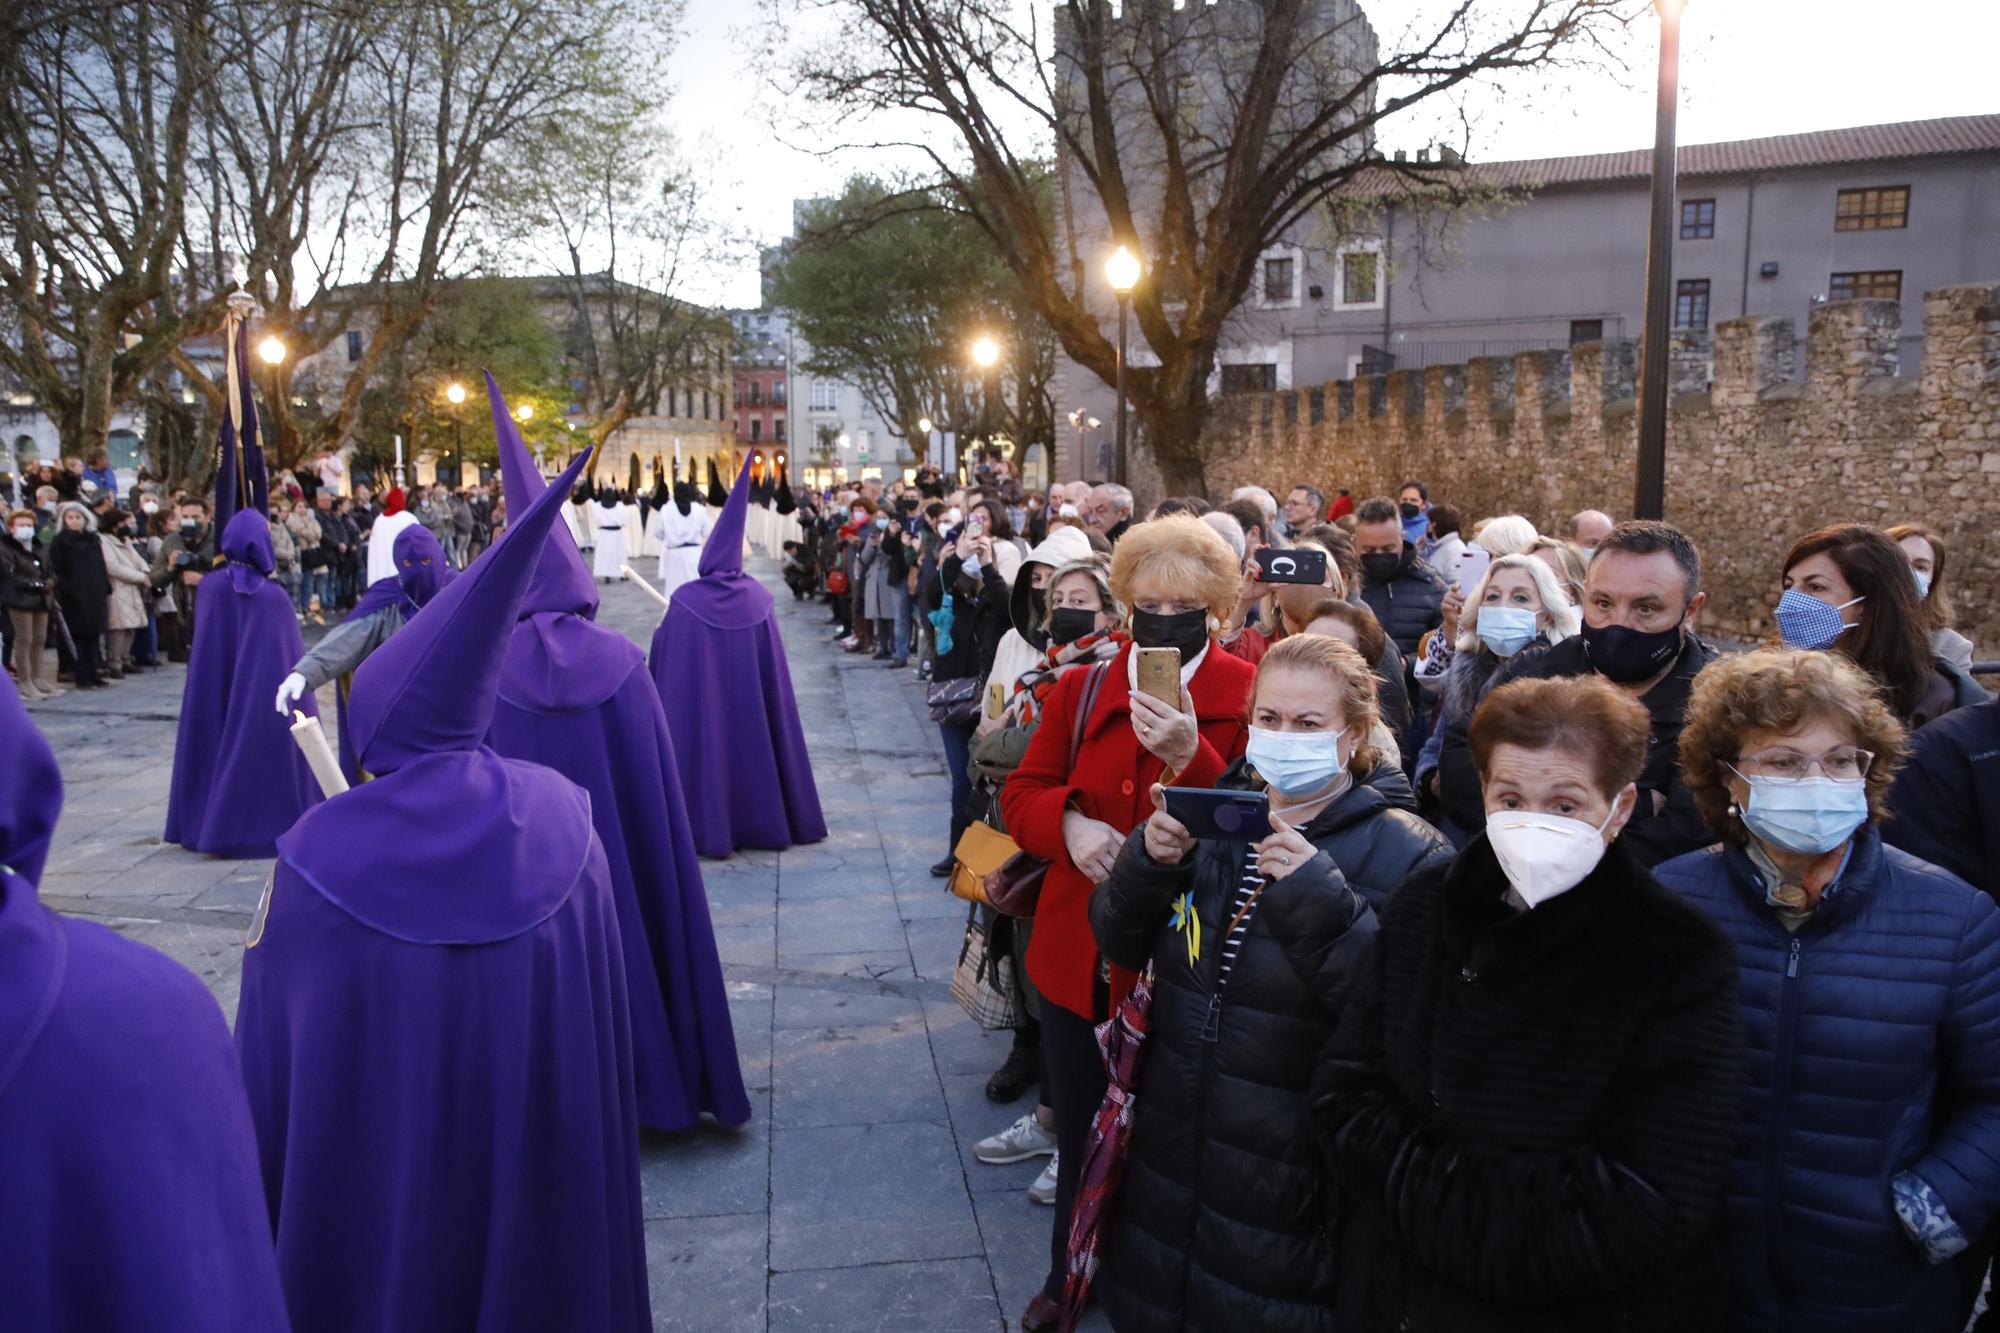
(1180, 580)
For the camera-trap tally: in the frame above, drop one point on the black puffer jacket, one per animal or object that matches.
(1410, 604)
(979, 618)
(24, 576)
(1221, 1223)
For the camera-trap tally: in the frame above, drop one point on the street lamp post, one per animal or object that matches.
(1650, 498)
(986, 355)
(456, 393)
(1122, 270)
(271, 352)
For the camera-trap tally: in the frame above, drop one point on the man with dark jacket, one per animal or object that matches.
(186, 555)
(1404, 593)
(1945, 806)
(1639, 608)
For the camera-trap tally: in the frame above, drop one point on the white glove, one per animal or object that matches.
(290, 692)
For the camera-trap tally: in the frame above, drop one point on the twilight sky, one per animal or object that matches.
(1749, 68)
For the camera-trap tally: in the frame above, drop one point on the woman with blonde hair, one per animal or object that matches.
(1254, 943)
(1567, 561)
(1925, 550)
(1178, 580)
(1870, 1158)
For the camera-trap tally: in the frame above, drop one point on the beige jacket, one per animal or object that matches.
(128, 571)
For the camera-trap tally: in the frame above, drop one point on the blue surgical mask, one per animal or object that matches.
(1810, 816)
(1804, 621)
(1506, 629)
(882, 524)
(1923, 583)
(1295, 763)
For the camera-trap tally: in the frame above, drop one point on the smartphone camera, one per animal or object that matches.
(1234, 820)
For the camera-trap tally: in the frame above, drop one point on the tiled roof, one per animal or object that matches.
(1864, 143)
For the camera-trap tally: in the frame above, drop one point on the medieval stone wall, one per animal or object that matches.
(1757, 454)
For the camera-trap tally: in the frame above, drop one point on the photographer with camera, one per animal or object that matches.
(185, 556)
(1254, 938)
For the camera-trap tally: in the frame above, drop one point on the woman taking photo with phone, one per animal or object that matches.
(1220, 1220)
(1178, 578)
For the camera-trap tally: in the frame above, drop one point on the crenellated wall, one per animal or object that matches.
(1756, 454)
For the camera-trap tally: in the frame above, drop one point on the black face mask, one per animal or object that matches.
(189, 529)
(1067, 624)
(1629, 656)
(1185, 630)
(1381, 566)
(1409, 511)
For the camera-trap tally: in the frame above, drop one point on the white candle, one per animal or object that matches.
(639, 579)
(311, 740)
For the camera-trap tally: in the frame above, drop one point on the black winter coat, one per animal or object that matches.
(1222, 1221)
(1408, 605)
(83, 585)
(979, 618)
(1532, 1114)
(1945, 806)
(24, 576)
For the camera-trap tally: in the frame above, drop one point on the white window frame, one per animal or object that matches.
(1298, 257)
(1340, 275)
(1278, 354)
(827, 391)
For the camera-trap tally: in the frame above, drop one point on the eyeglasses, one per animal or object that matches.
(1846, 763)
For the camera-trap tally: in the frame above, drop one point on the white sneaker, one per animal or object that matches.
(1018, 1142)
(1043, 1191)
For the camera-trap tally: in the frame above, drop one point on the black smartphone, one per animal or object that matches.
(1295, 565)
(1226, 816)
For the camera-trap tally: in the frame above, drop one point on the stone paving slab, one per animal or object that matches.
(851, 1201)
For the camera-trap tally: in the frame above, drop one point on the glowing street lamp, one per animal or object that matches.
(1122, 272)
(454, 393)
(985, 352)
(924, 425)
(525, 413)
(1650, 497)
(272, 350)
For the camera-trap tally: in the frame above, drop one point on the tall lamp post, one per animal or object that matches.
(1122, 271)
(271, 352)
(455, 393)
(1650, 499)
(986, 355)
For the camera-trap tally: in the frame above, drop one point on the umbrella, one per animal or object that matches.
(1123, 1040)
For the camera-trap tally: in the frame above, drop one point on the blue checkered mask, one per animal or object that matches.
(1804, 621)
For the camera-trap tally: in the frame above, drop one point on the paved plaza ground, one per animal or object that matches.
(852, 1200)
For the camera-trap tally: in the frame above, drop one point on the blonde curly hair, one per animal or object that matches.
(1181, 554)
(1778, 690)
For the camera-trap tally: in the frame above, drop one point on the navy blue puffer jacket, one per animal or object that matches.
(1874, 1048)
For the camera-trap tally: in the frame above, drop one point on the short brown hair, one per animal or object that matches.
(1777, 689)
(1583, 714)
(1368, 633)
(1351, 676)
(1186, 554)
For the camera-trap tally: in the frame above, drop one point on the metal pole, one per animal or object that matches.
(1124, 302)
(1650, 498)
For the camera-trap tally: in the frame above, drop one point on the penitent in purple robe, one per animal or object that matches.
(576, 696)
(129, 1196)
(421, 570)
(720, 667)
(239, 779)
(433, 1029)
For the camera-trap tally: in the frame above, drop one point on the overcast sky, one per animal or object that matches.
(1749, 68)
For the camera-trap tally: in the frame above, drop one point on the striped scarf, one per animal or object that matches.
(1031, 690)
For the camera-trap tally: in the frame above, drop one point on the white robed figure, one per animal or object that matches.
(610, 525)
(681, 527)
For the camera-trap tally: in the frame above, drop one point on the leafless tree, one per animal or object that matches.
(1199, 135)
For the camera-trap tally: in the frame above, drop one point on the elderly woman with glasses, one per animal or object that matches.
(1869, 1154)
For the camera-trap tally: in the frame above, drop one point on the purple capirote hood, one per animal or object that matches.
(562, 581)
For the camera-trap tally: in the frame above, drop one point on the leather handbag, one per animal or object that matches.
(981, 851)
(954, 702)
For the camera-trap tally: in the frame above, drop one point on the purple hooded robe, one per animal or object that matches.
(576, 696)
(239, 779)
(129, 1195)
(721, 672)
(433, 1028)
(421, 571)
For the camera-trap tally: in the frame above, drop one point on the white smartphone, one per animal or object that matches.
(1472, 566)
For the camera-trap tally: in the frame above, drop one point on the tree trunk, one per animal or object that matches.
(1171, 407)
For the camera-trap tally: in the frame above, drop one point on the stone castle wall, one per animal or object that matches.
(1756, 455)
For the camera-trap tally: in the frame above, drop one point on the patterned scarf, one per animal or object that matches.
(1031, 691)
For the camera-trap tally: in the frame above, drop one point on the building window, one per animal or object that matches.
(1586, 331)
(777, 393)
(1358, 280)
(1882, 285)
(778, 432)
(1697, 219)
(1691, 303)
(704, 404)
(756, 430)
(353, 346)
(756, 394)
(1878, 208)
(1260, 377)
(825, 396)
(1278, 276)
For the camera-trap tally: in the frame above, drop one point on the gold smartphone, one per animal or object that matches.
(1160, 674)
(996, 699)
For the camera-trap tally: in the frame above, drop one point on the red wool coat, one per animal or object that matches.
(1111, 780)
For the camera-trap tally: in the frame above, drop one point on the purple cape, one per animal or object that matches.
(421, 571)
(129, 1195)
(239, 779)
(433, 1029)
(576, 697)
(433, 1035)
(727, 690)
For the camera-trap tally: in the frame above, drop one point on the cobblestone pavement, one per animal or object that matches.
(852, 1200)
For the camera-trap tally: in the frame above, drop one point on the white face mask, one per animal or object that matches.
(24, 533)
(1545, 856)
(149, 506)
